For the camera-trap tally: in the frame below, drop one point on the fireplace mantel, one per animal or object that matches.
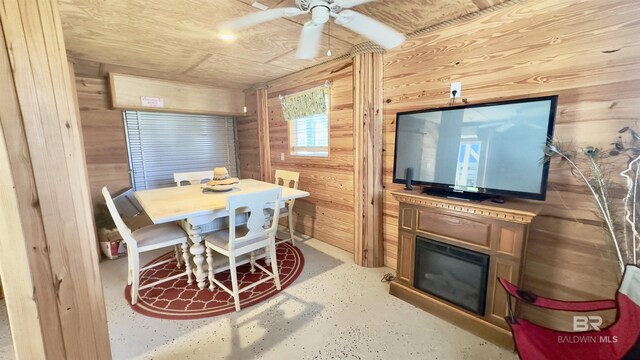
(497, 230)
(516, 211)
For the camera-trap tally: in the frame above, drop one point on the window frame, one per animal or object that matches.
(294, 151)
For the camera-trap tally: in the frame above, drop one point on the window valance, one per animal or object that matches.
(305, 103)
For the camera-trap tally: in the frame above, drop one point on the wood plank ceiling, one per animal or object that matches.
(177, 39)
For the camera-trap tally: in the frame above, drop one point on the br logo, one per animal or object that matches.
(585, 323)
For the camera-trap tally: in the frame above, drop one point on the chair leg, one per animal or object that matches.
(135, 281)
(177, 251)
(130, 256)
(274, 264)
(187, 262)
(290, 216)
(211, 269)
(252, 261)
(234, 281)
(267, 257)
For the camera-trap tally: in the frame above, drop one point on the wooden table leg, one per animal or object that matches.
(195, 227)
(197, 249)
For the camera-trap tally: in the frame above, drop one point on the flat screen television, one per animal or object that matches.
(490, 150)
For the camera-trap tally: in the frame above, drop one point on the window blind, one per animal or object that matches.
(161, 144)
(311, 135)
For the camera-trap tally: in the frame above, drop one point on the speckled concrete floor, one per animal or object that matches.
(6, 347)
(334, 310)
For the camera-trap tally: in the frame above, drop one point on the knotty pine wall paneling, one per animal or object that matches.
(27, 325)
(368, 195)
(48, 261)
(249, 154)
(264, 135)
(105, 142)
(328, 214)
(588, 53)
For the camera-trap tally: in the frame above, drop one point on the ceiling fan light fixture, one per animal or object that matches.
(320, 14)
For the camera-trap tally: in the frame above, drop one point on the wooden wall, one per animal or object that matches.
(48, 263)
(105, 144)
(367, 159)
(587, 52)
(248, 148)
(328, 214)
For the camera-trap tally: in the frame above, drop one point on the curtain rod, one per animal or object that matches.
(326, 84)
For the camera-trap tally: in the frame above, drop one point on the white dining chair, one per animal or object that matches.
(193, 178)
(148, 238)
(288, 179)
(246, 239)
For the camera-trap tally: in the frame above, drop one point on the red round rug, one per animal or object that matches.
(177, 300)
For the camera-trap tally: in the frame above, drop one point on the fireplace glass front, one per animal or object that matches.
(452, 273)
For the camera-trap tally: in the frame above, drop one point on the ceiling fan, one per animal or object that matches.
(321, 11)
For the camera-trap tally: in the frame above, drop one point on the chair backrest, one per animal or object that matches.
(193, 178)
(124, 230)
(255, 203)
(288, 179)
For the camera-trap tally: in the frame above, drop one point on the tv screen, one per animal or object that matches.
(493, 148)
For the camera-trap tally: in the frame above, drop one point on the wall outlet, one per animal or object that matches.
(282, 156)
(457, 86)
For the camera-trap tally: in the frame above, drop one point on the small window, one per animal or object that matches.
(309, 135)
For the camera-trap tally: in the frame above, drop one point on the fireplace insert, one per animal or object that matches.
(452, 273)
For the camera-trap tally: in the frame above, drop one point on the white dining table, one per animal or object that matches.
(196, 210)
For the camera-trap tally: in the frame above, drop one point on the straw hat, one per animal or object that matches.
(221, 177)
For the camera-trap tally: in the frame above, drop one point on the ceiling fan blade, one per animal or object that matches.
(345, 4)
(256, 18)
(310, 40)
(372, 29)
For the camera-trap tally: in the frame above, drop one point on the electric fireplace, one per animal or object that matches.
(452, 273)
(450, 254)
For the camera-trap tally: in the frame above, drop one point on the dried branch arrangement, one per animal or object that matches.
(587, 164)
